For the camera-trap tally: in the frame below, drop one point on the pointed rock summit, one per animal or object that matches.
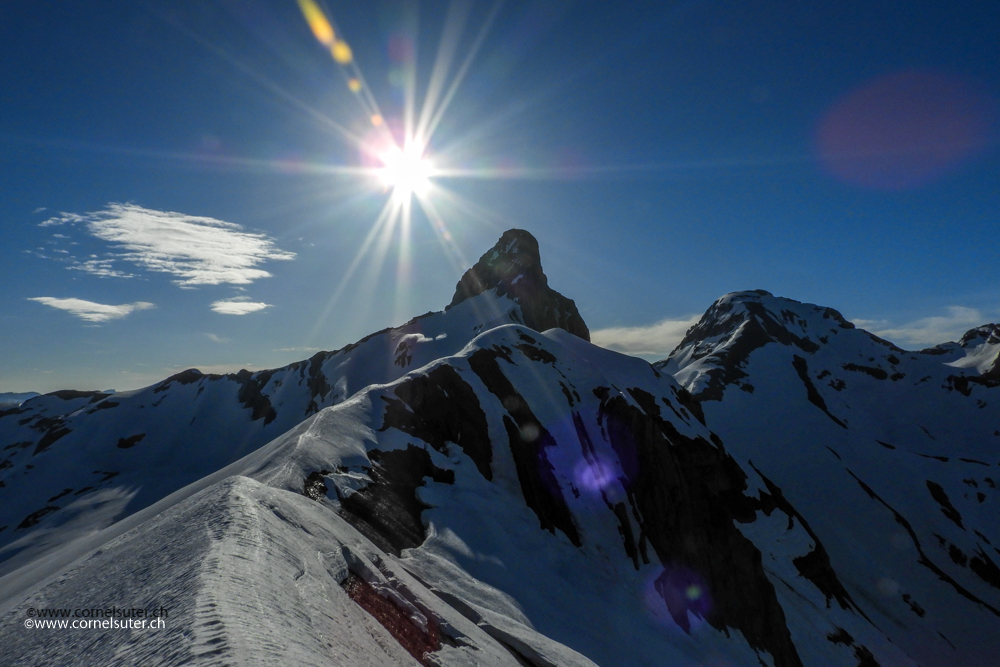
(513, 268)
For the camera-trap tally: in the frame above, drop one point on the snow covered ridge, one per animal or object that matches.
(466, 490)
(12, 399)
(192, 424)
(505, 502)
(713, 355)
(895, 453)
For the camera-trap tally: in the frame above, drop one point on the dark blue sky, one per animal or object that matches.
(842, 153)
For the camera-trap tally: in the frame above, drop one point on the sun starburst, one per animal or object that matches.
(395, 150)
(406, 171)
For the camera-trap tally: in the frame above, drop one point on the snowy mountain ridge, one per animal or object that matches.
(192, 424)
(906, 444)
(455, 493)
(713, 354)
(786, 489)
(10, 399)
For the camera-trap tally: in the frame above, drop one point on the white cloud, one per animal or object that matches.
(297, 349)
(196, 250)
(927, 331)
(238, 306)
(654, 340)
(90, 311)
(101, 267)
(216, 339)
(62, 219)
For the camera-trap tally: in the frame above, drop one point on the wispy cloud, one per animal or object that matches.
(62, 219)
(196, 250)
(654, 340)
(238, 306)
(90, 311)
(927, 331)
(101, 267)
(297, 349)
(216, 339)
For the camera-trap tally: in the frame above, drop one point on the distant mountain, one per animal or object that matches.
(13, 399)
(801, 493)
(893, 456)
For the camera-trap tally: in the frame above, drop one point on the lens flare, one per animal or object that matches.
(594, 476)
(342, 52)
(905, 130)
(678, 594)
(317, 21)
(392, 147)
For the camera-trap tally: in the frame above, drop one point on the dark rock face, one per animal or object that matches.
(190, 376)
(251, 395)
(815, 565)
(528, 442)
(54, 433)
(876, 373)
(387, 510)
(318, 385)
(514, 268)
(802, 368)
(964, 383)
(70, 394)
(33, 518)
(314, 487)
(988, 334)
(131, 441)
(688, 494)
(438, 408)
(939, 495)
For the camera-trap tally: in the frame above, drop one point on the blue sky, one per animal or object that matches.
(182, 184)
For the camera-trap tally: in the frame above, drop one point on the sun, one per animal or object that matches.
(407, 171)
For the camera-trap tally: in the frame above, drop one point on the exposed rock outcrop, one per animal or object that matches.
(513, 268)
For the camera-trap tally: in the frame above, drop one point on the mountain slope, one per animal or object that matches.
(12, 399)
(559, 488)
(192, 424)
(893, 455)
(526, 498)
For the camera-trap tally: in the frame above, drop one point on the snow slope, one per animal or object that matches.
(72, 462)
(893, 456)
(536, 485)
(525, 498)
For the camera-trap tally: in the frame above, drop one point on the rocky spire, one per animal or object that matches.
(513, 268)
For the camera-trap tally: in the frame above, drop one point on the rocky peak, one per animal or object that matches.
(513, 268)
(761, 317)
(982, 349)
(741, 322)
(988, 334)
